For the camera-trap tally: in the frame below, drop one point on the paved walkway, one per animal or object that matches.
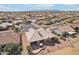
(24, 44)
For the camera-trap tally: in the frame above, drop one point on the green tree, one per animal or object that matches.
(16, 29)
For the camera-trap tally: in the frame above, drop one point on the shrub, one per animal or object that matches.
(29, 48)
(12, 49)
(77, 31)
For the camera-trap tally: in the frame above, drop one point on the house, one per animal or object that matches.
(34, 39)
(18, 18)
(69, 30)
(38, 36)
(26, 27)
(32, 21)
(45, 34)
(32, 35)
(6, 25)
(4, 20)
(58, 19)
(76, 21)
(58, 32)
(53, 21)
(75, 25)
(9, 37)
(2, 28)
(65, 29)
(17, 22)
(41, 18)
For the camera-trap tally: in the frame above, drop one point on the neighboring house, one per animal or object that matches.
(33, 21)
(75, 25)
(58, 19)
(66, 28)
(26, 27)
(4, 20)
(2, 28)
(9, 37)
(18, 18)
(58, 32)
(61, 30)
(53, 21)
(7, 20)
(5, 26)
(17, 22)
(76, 21)
(8, 24)
(41, 18)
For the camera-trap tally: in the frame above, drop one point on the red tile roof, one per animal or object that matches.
(74, 25)
(66, 28)
(10, 37)
(76, 21)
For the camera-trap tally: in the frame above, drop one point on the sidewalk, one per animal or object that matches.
(24, 45)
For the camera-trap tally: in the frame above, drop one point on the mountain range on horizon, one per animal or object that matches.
(54, 10)
(39, 11)
(38, 7)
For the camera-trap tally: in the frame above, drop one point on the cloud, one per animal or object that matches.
(6, 8)
(3, 8)
(44, 6)
(69, 5)
(40, 6)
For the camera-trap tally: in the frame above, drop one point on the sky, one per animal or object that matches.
(35, 7)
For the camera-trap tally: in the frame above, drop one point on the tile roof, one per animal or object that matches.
(26, 27)
(76, 21)
(40, 34)
(9, 37)
(74, 25)
(66, 28)
(33, 36)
